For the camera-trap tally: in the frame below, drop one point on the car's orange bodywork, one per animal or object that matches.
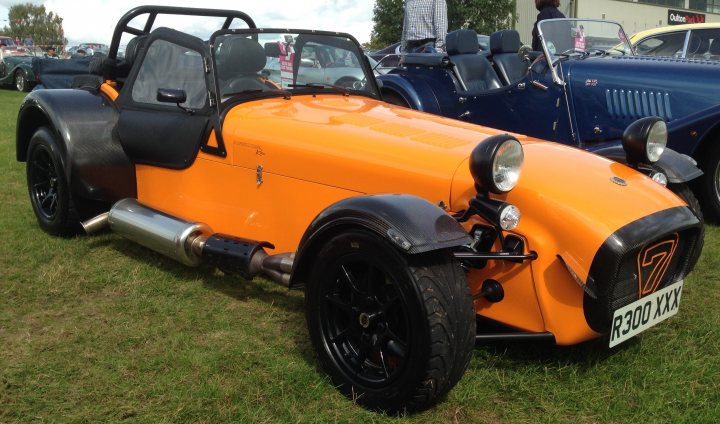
(302, 154)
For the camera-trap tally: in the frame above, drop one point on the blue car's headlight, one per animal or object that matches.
(644, 140)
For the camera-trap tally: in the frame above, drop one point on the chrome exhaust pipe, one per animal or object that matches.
(95, 225)
(191, 242)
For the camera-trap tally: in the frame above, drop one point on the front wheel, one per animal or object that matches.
(394, 332)
(708, 186)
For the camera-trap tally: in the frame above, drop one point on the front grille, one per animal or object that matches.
(618, 278)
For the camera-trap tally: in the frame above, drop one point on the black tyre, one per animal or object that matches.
(708, 186)
(48, 187)
(21, 82)
(394, 332)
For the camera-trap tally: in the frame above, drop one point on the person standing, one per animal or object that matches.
(425, 22)
(548, 10)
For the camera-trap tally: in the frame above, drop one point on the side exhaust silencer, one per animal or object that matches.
(191, 243)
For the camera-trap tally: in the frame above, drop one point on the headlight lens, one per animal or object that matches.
(495, 164)
(644, 140)
(507, 164)
(509, 217)
(657, 140)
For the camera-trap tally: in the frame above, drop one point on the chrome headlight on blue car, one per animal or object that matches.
(644, 140)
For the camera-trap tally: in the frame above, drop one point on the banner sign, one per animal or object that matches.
(679, 17)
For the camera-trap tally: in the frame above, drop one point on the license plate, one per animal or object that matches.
(642, 314)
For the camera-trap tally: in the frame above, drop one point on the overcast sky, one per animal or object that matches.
(94, 20)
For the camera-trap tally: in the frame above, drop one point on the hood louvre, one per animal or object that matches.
(636, 104)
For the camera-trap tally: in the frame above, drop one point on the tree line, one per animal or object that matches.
(483, 16)
(32, 22)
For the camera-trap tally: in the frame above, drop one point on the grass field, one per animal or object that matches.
(97, 329)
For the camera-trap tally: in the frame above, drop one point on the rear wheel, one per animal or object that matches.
(21, 82)
(394, 332)
(48, 187)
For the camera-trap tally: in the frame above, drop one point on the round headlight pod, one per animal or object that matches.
(644, 140)
(656, 142)
(509, 217)
(495, 164)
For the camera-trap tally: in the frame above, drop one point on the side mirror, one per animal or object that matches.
(171, 95)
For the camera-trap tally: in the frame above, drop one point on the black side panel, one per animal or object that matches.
(615, 276)
(84, 123)
(173, 142)
(410, 223)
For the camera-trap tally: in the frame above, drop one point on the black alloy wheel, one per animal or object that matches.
(48, 187)
(394, 332)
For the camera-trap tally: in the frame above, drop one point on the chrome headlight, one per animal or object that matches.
(644, 140)
(495, 164)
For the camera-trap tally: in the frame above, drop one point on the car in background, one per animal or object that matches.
(90, 48)
(389, 57)
(584, 89)
(16, 69)
(689, 41)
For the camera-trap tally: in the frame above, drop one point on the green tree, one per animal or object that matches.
(484, 16)
(388, 23)
(29, 20)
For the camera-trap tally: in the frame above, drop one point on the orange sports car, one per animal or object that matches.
(401, 227)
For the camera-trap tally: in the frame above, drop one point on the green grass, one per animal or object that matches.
(97, 329)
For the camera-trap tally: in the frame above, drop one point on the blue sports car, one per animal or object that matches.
(585, 88)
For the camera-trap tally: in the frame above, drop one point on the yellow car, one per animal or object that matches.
(690, 41)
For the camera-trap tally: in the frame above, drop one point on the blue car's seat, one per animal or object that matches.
(474, 70)
(714, 49)
(504, 46)
(239, 62)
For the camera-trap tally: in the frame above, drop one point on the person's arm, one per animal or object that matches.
(403, 37)
(441, 23)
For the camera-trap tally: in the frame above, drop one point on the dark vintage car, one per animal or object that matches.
(16, 69)
(390, 55)
(402, 228)
(584, 89)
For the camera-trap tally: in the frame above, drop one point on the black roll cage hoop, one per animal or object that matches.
(153, 11)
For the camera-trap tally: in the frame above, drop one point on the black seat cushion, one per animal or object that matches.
(504, 46)
(473, 69)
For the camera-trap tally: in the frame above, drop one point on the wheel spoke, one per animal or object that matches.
(335, 300)
(350, 279)
(396, 345)
(382, 361)
(43, 183)
(341, 336)
(384, 307)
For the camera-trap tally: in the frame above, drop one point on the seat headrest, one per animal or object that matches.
(133, 48)
(243, 55)
(505, 41)
(462, 41)
(715, 47)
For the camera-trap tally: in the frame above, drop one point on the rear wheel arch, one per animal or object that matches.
(30, 119)
(393, 97)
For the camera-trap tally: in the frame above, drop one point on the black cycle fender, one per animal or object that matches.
(678, 168)
(409, 223)
(83, 123)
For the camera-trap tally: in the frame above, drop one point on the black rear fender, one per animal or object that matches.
(409, 223)
(83, 123)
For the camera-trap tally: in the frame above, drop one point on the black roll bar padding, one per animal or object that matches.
(153, 11)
